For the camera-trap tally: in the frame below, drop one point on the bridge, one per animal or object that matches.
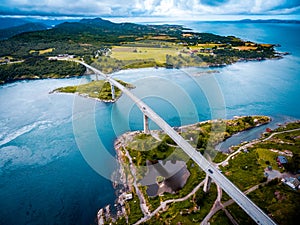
(212, 172)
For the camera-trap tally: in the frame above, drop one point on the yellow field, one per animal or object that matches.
(245, 48)
(46, 51)
(135, 53)
(266, 45)
(43, 51)
(205, 46)
(162, 37)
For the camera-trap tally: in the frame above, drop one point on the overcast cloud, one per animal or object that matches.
(149, 8)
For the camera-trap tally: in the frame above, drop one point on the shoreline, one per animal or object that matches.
(278, 56)
(87, 97)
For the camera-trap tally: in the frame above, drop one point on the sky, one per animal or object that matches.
(173, 9)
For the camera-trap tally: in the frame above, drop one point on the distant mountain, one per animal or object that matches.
(7, 22)
(103, 30)
(267, 21)
(98, 26)
(11, 22)
(12, 31)
(98, 22)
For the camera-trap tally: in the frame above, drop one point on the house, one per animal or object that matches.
(102, 52)
(268, 130)
(128, 196)
(206, 50)
(281, 160)
(292, 182)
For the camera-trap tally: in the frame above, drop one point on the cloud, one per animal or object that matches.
(169, 8)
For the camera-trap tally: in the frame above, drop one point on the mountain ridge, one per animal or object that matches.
(15, 30)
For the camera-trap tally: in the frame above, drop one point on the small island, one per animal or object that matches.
(100, 90)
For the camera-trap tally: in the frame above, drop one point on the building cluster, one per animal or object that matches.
(292, 182)
(62, 57)
(102, 52)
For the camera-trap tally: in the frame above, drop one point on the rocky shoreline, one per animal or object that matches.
(122, 185)
(86, 96)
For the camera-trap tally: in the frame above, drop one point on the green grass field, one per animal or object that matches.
(143, 53)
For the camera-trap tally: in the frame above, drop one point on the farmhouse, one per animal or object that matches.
(281, 160)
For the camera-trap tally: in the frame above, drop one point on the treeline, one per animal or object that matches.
(229, 56)
(39, 67)
(260, 52)
(218, 57)
(21, 48)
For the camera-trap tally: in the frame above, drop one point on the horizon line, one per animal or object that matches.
(214, 18)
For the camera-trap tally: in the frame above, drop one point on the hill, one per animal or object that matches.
(27, 27)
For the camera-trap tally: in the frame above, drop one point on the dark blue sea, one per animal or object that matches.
(56, 150)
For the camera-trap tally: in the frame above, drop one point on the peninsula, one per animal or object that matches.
(152, 193)
(112, 46)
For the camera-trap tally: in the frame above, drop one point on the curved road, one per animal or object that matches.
(254, 142)
(281, 132)
(239, 197)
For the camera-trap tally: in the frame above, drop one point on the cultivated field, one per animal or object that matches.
(143, 53)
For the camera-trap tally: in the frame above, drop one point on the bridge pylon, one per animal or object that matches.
(146, 124)
(112, 91)
(207, 184)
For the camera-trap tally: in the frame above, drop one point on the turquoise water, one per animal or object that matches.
(45, 138)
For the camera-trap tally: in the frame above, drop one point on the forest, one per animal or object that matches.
(39, 67)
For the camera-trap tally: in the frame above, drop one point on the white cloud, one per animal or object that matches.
(170, 8)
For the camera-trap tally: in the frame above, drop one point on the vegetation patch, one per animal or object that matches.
(39, 67)
(245, 170)
(277, 200)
